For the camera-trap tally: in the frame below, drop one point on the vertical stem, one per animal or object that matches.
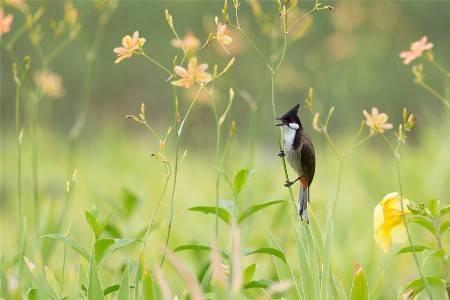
(444, 259)
(34, 160)
(175, 175)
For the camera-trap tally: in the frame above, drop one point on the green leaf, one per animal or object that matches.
(92, 219)
(52, 282)
(249, 272)
(267, 250)
(45, 289)
(95, 290)
(411, 249)
(444, 210)
(360, 288)
(113, 230)
(424, 222)
(253, 209)
(147, 287)
(192, 247)
(437, 253)
(71, 243)
(433, 206)
(33, 294)
(418, 285)
(105, 247)
(258, 284)
(139, 273)
(129, 201)
(240, 179)
(124, 290)
(444, 227)
(111, 289)
(222, 213)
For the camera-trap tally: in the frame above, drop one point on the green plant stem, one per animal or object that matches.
(175, 174)
(440, 68)
(399, 179)
(155, 62)
(71, 183)
(188, 112)
(218, 167)
(434, 93)
(436, 224)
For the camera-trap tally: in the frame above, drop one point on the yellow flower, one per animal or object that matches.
(377, 122)
(222, 34)
(70, 13)
(194, 73)
(50, 83)
(388, 221)
(188, 43)
(129, 46)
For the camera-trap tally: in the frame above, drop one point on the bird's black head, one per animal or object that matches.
(290, 117)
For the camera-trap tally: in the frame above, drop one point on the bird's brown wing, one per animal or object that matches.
(308, 158)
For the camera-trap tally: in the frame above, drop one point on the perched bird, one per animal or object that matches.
(299, 152)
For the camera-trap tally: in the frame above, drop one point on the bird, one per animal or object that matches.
(299, 152)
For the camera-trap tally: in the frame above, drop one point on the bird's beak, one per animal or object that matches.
(280, 124)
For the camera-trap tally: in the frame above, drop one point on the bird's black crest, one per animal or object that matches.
(291, 116)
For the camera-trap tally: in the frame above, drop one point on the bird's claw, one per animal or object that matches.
(281, 153)
(288, 183)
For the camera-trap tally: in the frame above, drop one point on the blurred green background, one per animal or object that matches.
(350, 56)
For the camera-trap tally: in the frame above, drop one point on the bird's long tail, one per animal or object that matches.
(303, 199)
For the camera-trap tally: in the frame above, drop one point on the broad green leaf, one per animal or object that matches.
(360, 287)
(129, 201)
(418, 285)
(444, 227)
(254, 208)
(266, 250)
(258, 284)
(147, 285)
(192, 247)
(95, 290)
(444, 210)
(124, 290)
(240, 179)
(411, 249)
(433, 206)
(424, 222)
(437, 253)
(249, 272)
(222, 213)
(105, 247)
(33, 294)
(94, 223)
(111, 289)
(71, 243)
(113, 230)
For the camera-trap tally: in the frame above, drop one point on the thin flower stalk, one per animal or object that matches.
(396, 154)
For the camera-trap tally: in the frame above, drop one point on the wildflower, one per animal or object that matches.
(222, 34)
(5, 22)
(388, 221)
(188, 43)
(50, 83)
(194, 73)
(377, 122)
(316, 126)
(416, 50)
(129, 46)
(70, 13)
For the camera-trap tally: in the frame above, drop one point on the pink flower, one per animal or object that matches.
(416, 50)
(376, 121)
(5, 22)
(129, 46)
(194, 73)
(223, 34)
(188, 43)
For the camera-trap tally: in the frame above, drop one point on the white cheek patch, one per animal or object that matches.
(294, 126)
